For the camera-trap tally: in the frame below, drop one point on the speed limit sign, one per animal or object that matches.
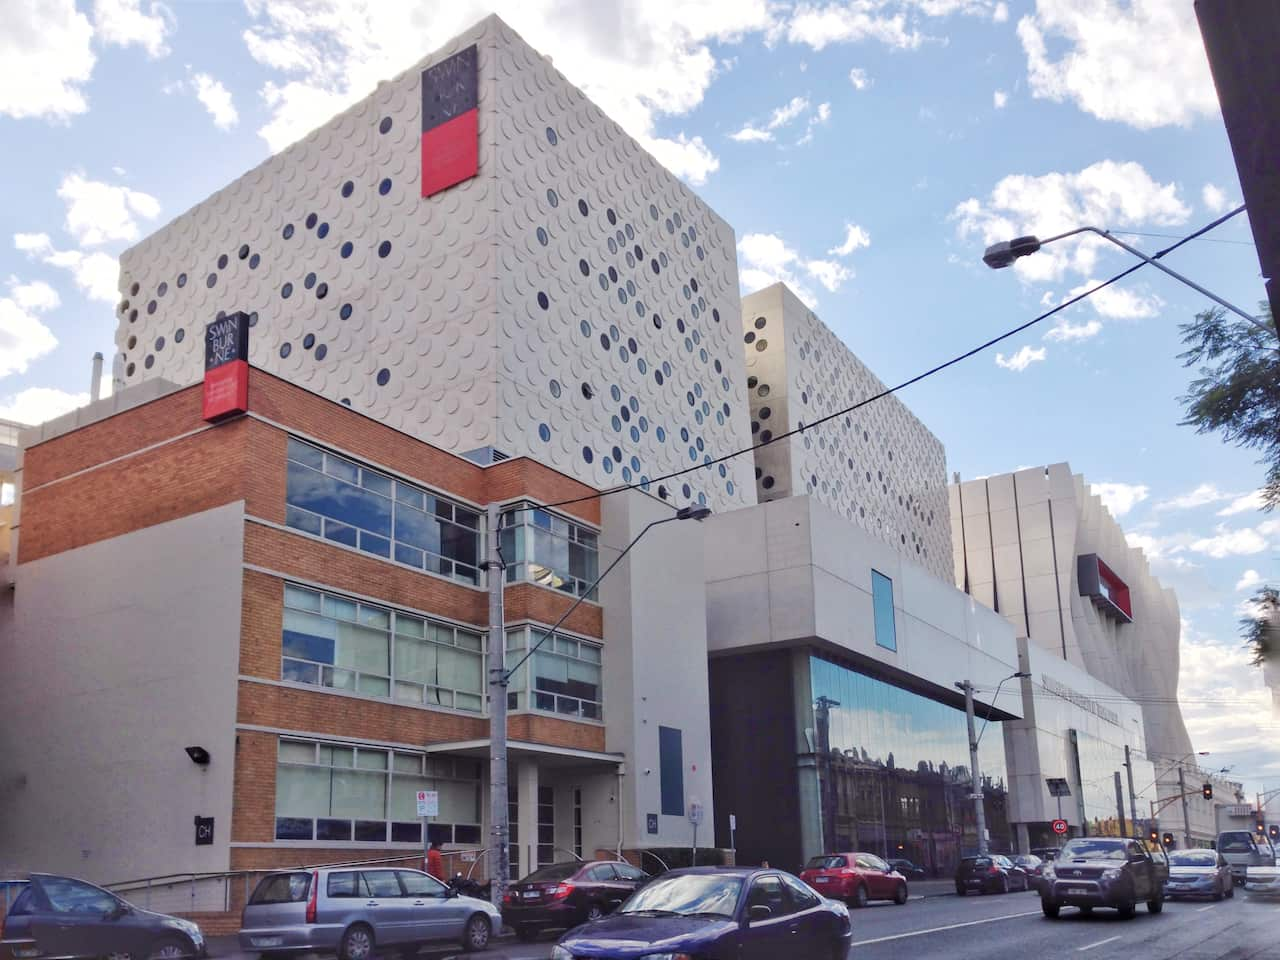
(1059, 826)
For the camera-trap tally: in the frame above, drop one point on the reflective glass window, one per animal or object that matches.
(882, 605)
(562, 677)
(545, 548)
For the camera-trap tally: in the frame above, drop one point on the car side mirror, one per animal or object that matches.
(759, 912)
(118, 911)
(450, 893)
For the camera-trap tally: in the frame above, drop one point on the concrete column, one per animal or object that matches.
(527, 797)
(1022, 838)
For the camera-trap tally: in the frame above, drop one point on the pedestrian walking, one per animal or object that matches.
(435, 862)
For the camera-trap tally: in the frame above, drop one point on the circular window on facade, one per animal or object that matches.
(285, 350)
(321, 352)
(541, 234)
(309, 281)
(347, 188)
(308, 341)
(554, 200)
(254, 261)
(384, 377)
(544, 432)
(179, 335)
(762, 345)
(587, 455)
(182, 280)
(222, 262)
(384, 126)
(384, 186)
(345, 311)
(749, 337)
(288, 230)
(159, 344)
(323, 231)
(384, 249)
(552, 138)
(543, 301)
(311, 221)
(286, 291)
(211, 280)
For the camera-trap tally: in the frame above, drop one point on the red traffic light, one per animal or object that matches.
(1207, 791)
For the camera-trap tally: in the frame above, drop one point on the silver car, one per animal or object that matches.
(352, 911)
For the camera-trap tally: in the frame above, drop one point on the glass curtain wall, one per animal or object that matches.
(893, 771)
(1097, 763)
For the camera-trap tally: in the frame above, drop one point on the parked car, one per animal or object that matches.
(1104, 872)
(991, 873)
(1199, 873)
(1243, 850)
(717, 913)
(9, 890)
(855, 878)
(909, 869)
(1047, 854)
(67, 918)
(352, 912)
(1262, 882)
(564, 895)
(1032, 867)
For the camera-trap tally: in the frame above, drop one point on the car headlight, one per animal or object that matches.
(1047, 873)
(189, 928)
(1112, 873)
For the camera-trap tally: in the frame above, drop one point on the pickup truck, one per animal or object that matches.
(1116, 872)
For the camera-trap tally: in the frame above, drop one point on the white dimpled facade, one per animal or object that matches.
(878, 466)
(572, 301)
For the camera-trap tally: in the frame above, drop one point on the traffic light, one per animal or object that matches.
(1168, 839)
(1274, 832)
(1154, 835)
(1260, 828)
(1207, 791)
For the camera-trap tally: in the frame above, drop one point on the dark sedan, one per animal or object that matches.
(1199, 873)
(62, 917)
(1033, 866)
(564, 895)
(909, 869)
(990, 873)
(717, 913)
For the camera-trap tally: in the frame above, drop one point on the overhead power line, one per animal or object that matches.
(708, 464)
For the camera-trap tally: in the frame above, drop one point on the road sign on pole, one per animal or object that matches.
(1059, 827)
(428, 803)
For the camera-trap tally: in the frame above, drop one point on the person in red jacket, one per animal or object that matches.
(435, 862)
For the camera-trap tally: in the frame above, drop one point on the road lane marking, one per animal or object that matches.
(1098, 944)
(1203, 909)
(950, 926)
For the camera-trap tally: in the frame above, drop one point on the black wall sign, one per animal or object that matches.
(204, 831)
(226, 340)
(651, 822)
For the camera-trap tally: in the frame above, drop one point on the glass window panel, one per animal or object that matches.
(340, 533)
(459, 544)
(302, 791)
(410, 555)
(409, 495)
(407, 763)
(406, 832)
(294, 828)
(565, 645)
(308, 636)
(417, 528)
(305, 453)
(467, 701)
(301, 598)
(409, 626)
(296, 751)
(376, 482)
(371, 759)
(342, 469)
(363, 649)
(333, 829)
(375, 616)
(589, 651)
(882, 603)
(373, 686)
(299, 672)
(409, 692)
(470, 641)
(337, 756)
(404, 802)
(466, 518)
(303, 520)
(358, 793)
(371, 831)
(372, 543)
(416, 661)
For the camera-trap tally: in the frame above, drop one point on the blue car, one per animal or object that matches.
(716, 913)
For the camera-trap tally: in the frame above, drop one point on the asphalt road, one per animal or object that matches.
(1011, 927)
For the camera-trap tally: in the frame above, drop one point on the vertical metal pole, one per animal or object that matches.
(1120, 803)
(1186, 818)
(1133, 798)
(499, 868)
(979, 814)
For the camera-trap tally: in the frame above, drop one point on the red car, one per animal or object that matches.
(855, 878)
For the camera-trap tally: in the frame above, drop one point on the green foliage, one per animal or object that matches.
(1261, 630)
(1238, 391)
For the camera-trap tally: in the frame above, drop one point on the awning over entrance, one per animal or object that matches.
(546, 755)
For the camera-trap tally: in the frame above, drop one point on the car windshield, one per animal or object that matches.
(687, 895)
(282, 888)
(1193, 858)
(1235, 843)
(824, 863)
(975, 863)
(1092, 850)
(557, 871)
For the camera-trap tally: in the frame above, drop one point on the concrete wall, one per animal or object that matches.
(878, 467)
(794, 570)
(656, 661)
(452, 316)
(123, 653)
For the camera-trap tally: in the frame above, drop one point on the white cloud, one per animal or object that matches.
(750, 134)
(1106, 192)
(96, 274)
(45, 59)
(858, 77)
(1118, 303)
(1001, 13)
(1139, 62)
(217, 100)
(1230, 543)
(23, 338)
(327, 54)
(788, 112)
(1248, 580)
(766, 259)
(819, 26)
(1250, 501)
(820, 116)
(38, 404)
(1068, 332)
(123, 23)
(1214, 198)
(98, 212)
(854, 238)
(1024, 358)
(1204, 494)
(1120, 498)
(37, 295)
(999, 99)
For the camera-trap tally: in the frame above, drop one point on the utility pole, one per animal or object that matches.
(1133, 797)
(1120, 803)
(979, 815)
(1186, 820)
(499, 863)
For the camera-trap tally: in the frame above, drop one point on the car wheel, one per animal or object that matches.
(1004, 884)
(526, 934)
(1127, 910)
(357, 943)
(594, 912)
(900, 895)
(1231, 891)
(1156, 905)
(475, 936)
(1051, 909)
(1220, 892)
(169, 950)
(960, 891)
(859, 897)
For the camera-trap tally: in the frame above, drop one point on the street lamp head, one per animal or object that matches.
(1002, 254)
(1021, 675)
(693, 513)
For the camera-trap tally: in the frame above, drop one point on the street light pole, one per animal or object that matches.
(979, 814)
(500, 677)
(1186, 817)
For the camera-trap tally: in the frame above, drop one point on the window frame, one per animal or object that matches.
(431, 501)
(522, 695)
(885, 633)
(525, 519)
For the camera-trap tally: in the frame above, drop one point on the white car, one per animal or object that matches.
(1262, 882)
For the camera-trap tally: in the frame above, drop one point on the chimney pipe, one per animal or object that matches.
(95, 385)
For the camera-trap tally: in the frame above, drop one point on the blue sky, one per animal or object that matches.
(865, 151)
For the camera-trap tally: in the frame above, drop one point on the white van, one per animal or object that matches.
(1243, 849)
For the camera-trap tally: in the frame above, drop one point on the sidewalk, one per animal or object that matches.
(928, 889)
